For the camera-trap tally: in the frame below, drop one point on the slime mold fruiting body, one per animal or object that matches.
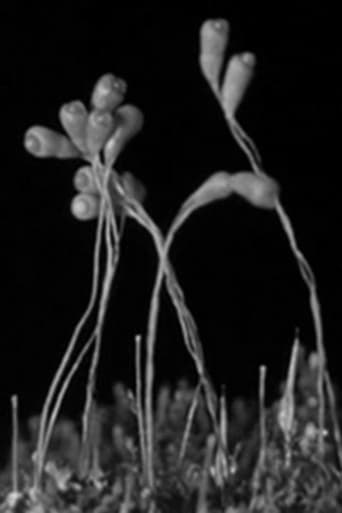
(97, 137)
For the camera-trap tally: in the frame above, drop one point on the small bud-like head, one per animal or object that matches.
(238, 76)
(84, 180)
(99, 127)
(43, 142)
(109, 92)
(128, 122)
(214, 35)
(73, 117)
(85, 206)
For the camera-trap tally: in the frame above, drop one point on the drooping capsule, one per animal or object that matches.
(85, 206)
(214, 35)
(99, 127)
(108, 93)
(128, 122)
(259, 191)
(84, 180)
(43, 142)
(216, 187)
(238, 76)
(74, 117)
(133, 187)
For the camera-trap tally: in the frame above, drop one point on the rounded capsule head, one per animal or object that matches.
(238, 76)
(85, 206)
(129, 121)
(133, 187)
(99, 127)
(43, 142)
(108, 93)
(259, 191)
(73, 117)
(84, 180)
(214, 36)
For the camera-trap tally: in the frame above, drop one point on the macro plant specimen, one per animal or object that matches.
(96, 136)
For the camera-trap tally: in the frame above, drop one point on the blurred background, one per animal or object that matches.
(238, 274)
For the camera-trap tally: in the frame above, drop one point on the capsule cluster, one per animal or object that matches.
(96, 134)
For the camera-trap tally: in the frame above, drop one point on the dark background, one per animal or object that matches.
(238, 274)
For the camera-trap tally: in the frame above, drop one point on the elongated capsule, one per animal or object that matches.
(129, 121)
(133, 187)
(74, 117)
(100, 126)
(238, 76)
(108, 93)
(84, 180)
(260, 191)
(85, 206)
(216, 187)
(43, 142)
(214, 35)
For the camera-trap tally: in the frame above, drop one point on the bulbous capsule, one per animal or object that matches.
(99, 127)
(128, 122)
(108, 93)
(74, 117)
(43, 142)
(238, 76)
(216, 187)
(84, 180)
(214, 36)
(260, 191)
(133, 187)
(85, 206)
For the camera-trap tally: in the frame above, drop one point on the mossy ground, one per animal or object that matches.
(292, 477)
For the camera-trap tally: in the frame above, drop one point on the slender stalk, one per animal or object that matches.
(189, 422)
(136, 211)
(190, 337)
(112, 259)
(108, 279)
(149, 374)
(286, 416)
(334, 417)
(260, 467)
(41, 441)
(139, 401)
(203, 490)
(62, 392)
(15, 436)
(262, 415)
(222, 452)
(188, 325)
(249, 148)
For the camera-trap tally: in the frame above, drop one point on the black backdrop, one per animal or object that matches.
(237, 271)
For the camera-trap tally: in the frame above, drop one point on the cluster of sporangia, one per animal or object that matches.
(96, 136)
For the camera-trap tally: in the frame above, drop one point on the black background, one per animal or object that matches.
(238, 274)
